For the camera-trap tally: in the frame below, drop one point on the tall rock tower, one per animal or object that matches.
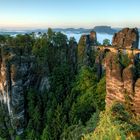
(122, 76)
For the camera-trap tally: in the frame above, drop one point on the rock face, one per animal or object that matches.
(122, 85)
(85, 48)
(122, 82)
(92, 37)
(16, 76)
(136, 101)
(127, 38)
(114, 81)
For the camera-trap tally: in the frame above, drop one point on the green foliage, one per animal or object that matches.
(4, 128)
(31, 135)
(108, 129)
(124, 60)
(81, 51)
(67, 102)
(2, 138)
(72, 40)
(2, 39)
(70, 108)
(45, 135)
(116, 124)
(23, 42)
(98, 43)
(106, 42)
(50, 50)
(50, 33)
(60, 40)
(60, 81)
(101, 93)
(34, 127)
(123, 114)
(84, 104)
(73, 132)
(89, 96)
(40, 50)
(77, 131)
(18, 138)
(58, 123)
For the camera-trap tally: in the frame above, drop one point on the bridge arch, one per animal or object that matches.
(106, 50)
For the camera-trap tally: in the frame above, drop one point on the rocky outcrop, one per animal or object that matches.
(126, 38)
(122, 81)
(114, 82)
(16, 76)
(118, 60)
(136, 100)
(72, 55)
(85, 48)
(129, 76)
(92, 38)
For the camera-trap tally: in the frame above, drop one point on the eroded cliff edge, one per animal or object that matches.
(120, 62)
(16, 76)
(122, 70)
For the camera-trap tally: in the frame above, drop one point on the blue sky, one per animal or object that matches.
(69, 13)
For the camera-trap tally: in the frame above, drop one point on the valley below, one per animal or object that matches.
(70, 84)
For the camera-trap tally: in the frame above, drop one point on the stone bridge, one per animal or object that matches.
(130, 51)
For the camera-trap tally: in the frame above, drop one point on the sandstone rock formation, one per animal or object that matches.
(17, 73)
(122, 85)
(118, 60)
(126, 38)
(16, 76)
(85, 48)
(114, 81)
(136, 100)
(122, 82)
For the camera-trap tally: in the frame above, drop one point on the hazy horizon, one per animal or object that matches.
(24, 14)
(43, 28)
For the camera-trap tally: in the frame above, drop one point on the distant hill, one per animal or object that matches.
(99, 29)
(72, 30)
(104, 29)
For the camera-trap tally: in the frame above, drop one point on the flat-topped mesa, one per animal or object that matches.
(126, 38)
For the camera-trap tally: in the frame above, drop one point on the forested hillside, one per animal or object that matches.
(56, 90)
